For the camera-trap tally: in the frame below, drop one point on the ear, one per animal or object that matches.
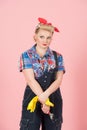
(34, 37)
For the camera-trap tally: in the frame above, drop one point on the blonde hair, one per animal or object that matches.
(49, 28)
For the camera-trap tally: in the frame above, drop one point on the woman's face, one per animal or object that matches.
(43, 38)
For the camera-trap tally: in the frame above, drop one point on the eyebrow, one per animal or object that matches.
(43, 36)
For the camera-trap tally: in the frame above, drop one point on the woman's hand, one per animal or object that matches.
(45, 109)
(43, 97)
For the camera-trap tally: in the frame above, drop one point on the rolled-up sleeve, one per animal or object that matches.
(61, 66)
(24, 62)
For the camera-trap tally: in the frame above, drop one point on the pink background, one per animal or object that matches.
(18, 19)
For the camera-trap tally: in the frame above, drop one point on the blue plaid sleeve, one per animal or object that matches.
(24, 62)
(61, 63)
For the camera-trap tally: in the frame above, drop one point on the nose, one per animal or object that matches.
(45, 40)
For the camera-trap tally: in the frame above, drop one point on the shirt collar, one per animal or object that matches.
(47, 54)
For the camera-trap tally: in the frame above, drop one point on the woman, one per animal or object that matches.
(43, 71)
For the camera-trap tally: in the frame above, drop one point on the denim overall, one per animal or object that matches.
(32, 121)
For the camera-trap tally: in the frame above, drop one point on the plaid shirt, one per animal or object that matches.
(30, 59)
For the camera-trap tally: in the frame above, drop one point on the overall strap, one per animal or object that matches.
(55, 56)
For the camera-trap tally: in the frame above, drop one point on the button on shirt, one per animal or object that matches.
(40, 65)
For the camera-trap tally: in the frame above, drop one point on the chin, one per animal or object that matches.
(44, 47)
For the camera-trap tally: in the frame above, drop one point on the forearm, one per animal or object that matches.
(52, 88)
(55, 85)
(35, 87)
(30, 80)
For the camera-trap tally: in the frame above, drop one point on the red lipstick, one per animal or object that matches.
(44, 44)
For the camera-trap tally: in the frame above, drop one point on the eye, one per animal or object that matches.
(49, 38)
(41, 36)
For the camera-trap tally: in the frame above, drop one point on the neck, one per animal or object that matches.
(40, 51)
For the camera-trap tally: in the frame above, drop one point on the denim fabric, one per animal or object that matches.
(32, 121)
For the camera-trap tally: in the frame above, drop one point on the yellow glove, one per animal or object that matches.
(48, 103)
(32, 104)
